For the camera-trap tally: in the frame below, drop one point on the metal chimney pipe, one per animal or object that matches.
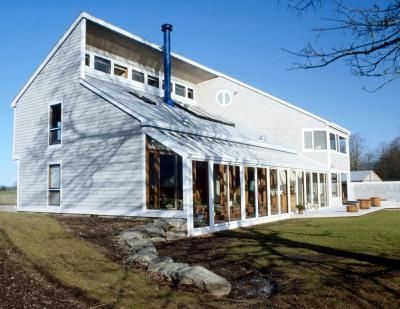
(167, 28)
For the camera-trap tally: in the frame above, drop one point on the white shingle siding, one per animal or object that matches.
(254, 110)
(101, 150)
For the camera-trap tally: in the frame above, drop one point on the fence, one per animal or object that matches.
(389, 190)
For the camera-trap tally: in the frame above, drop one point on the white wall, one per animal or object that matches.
(389, 190)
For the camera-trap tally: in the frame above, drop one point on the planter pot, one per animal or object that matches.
(365, 204)
(300, 211)
(375, 201)
(352, 208)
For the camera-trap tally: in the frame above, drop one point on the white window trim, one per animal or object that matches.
(52, 103)
(312, 130)
(337, 138)
(48, 183)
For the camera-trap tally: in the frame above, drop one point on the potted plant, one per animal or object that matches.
(300, 208)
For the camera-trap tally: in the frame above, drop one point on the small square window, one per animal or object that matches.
(170, 85)
(180, 90)
(119, 70)
(190, 93)
(87, 60)
(308, 143)
(153, 81)
(342, 144)
(138, 76)
(332, 140)
(101, 64)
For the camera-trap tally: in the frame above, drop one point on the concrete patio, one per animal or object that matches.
(340, 211)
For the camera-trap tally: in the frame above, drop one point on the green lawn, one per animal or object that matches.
(324, 263)
(80, 265)
(333, 262)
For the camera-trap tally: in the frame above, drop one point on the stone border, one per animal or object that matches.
(143, 252)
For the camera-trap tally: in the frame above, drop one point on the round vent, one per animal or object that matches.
(223, 98)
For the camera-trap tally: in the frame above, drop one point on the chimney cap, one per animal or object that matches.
(166, 27)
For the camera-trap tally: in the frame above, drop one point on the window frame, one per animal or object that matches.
(49, 129)
(120, 67)
(59, 189)
(149, 76)
(182, 87)
(143, 82)
(103, 58)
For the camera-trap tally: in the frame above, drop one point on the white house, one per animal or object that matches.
(361, 176)
(95, 132)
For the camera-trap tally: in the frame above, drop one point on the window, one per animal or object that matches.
(322, 190)
(54, 195)
(249, 176)
(283, 191)
(164, 177)
(332, 141)
(320, 140)
(201, 211)
(308, 143)
(273, 175)
(55, 124)
(262, 192)
(101, 64)
(315, 140)
(138, 76)
(180, 90)
(292, 187)
(190, 93)
(171, 86)
(234, 193)
(153, 81)
(315, 189)
(87, 60)
(300, 188)
(335, 185)
(342, 144)
(220, 193)
(119, 70)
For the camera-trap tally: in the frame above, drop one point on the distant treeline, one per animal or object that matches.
(384, 160)
(8, 188)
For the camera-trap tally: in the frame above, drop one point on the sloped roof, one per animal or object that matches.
(369, 175)
(190, 135)
(86, 16)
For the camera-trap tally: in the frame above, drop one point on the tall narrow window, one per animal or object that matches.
(292, 183)
(308, 190)
(120, 70)
(300, 188)
(342, 144)
(315, 189)
(54, 196)
(191, 93)
(55, 124)
(101, 64)
(335, 185)
(153, 81)
(249, 176)
(332, 141)
(87, 60)
(322, 190)
(273, 175)
(164, 177)
(220, 193)
(201, 212)
(308, 143)
(283, 191)
(234, 193)
(262, 192)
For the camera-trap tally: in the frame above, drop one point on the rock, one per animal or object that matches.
(131, 234)
(136, 244)
(168, 224)
(157, 239)
(205, 280)
(150, 231)
(157, 263)
(171, 270)
(142, 257)
(171, 235)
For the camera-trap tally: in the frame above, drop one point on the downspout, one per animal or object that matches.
(167, 28)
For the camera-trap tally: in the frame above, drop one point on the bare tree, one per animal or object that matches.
(388, 164)
(357, 148)
(371, 38)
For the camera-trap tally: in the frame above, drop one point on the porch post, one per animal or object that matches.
(211, 191)
(188, 193)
